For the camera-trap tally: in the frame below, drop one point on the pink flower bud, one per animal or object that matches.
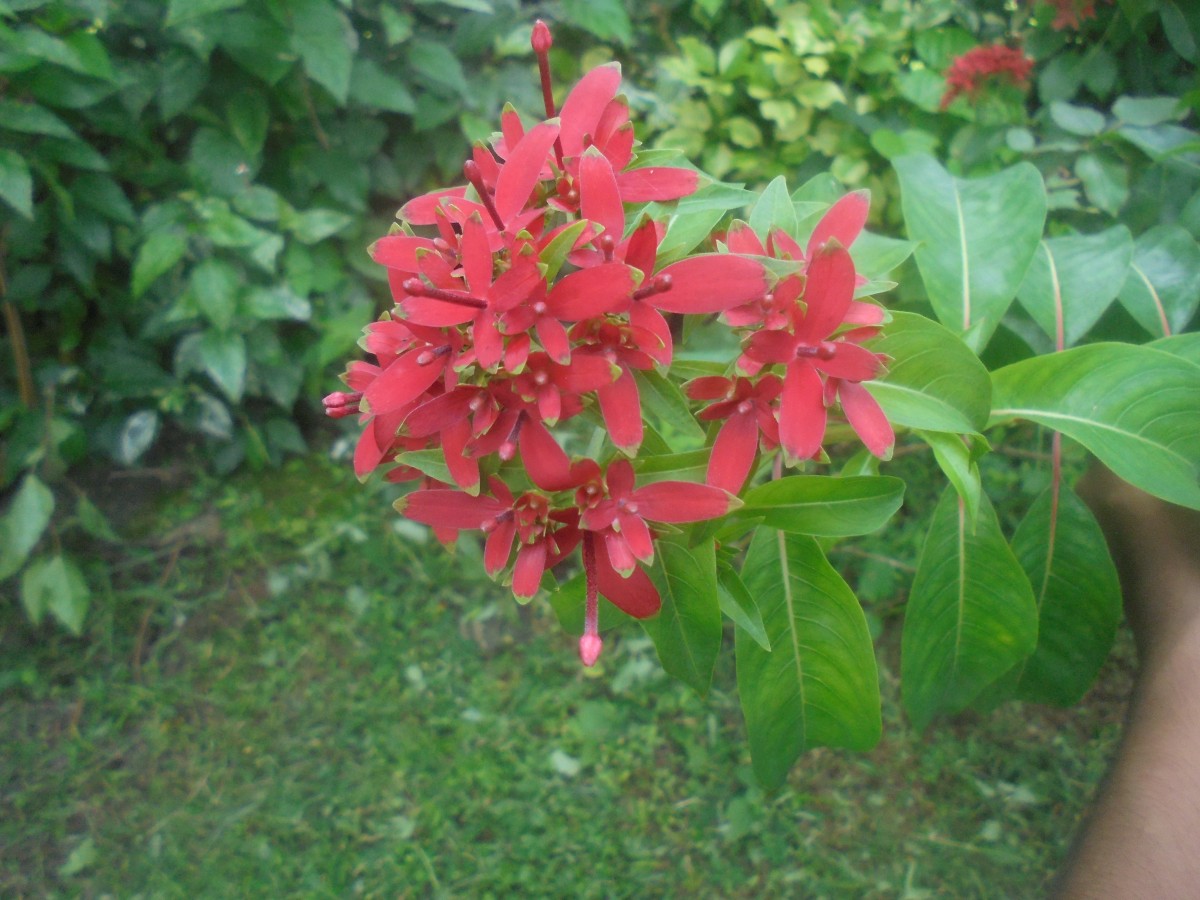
(541, 41)
(590, 646)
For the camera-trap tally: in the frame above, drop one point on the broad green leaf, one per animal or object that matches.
(971, 615)
(1105, 181)
(326, 42)
(315, 225)
(249, 116)
(136, 435)
(223, 355)
(1172, 145)
(1162, 289)
(56, 586)
(277, 303)
(214, 287)
(1081, 120)
(739, 604)
(933, 381)
(16, 184)
(1062, 550)
(1185, 346)
(665, 407)
(606, 19)
(569, 602)
(22, 525)
(875, 256)
(30, 118)
(104, 195)
(773, 209)
(818, 686)
(258, 43)
(554, 254)
(824, 505)
(957, 461)
(371, 86)
(685, 230)
(687, 630)
(436, 66)
(691, 465)
(1136, 408)
(977, 237)
(1078, 274)
(94, 522)
(430, 462)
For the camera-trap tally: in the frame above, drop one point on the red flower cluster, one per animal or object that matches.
(968, 73)
(1071, 14)
(529, 299)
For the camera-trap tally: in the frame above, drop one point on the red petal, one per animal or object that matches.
(554, 339)
(516, 353)
(619, 479)
(843, 222)
(489, 342)
(464, 469)
(584, 106)
(642, 247)
(711, 283)
(860, 313)
(618, 149)
(512, 129)
(374, 443)
(529, 569)
(867, 419)
(599, 199)
(733, 453)
(828, 292)
(476, 257)
(620, 554)
(635, 595)
(522, 170)
(622, 410)
(591, 292)
(449, 509)
(614, 117)
(518, 284)
(801, 411)
(546, 462)
(549, 404)
(851, 363)
(637, 537)
(709, 387)
(436, 313)
(771, 346)
(402, 382)
(783, 245)
(499, 546)
(681, 501)
(440, 412)
(587, 372)
(399, 251)
(420, 210)
(656, 183)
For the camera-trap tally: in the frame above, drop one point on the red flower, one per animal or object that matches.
(748, 408)
(968, 73)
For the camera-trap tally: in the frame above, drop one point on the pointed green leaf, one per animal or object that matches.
(223, 355)
(24, 521)
(773, 209)
(824, 505)
(971, 615)
(1137, 408)
(665, 407)
(687, 630)
(1162, 289)
(1062, 550)
(214, 287)
(818, 686)
(157, 256)
(326, 42)
(739, 604)
(933, 381)
(55, 585)
(16, 184)
(1185, 346)
(977, 237)
(958, 463)
(1080, 274)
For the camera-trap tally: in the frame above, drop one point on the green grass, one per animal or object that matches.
(281, 694)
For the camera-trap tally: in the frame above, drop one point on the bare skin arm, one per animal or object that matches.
(1142, 837)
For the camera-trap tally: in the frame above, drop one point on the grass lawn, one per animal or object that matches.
(282, 693)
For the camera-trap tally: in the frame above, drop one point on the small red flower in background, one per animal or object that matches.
(971, 71)
(1071, 14)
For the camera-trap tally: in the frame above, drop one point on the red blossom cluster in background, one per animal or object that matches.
(980, 65)
(1071, 14)
(532, 299)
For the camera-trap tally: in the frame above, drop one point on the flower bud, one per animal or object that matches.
(541, 41)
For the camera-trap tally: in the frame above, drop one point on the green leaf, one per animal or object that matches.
(773, 209)
(739, 604)
(436, 66)
(22, 525)
(1079, 120)
(1185, 346)
(569, 603)
(104, 195)
(249, 116)
(977, 237)
(16, 184)
(818, 686)
(824, 505)
(55, 585)
(1170, 144)
(554, 254)
(933, 381)
(687, 630)
(259, 44)
(277, 303)
(136, 435)
(1136, 408)
(80, 859)
(1147, 111)
(1162, 289)
(32, 119)
(180, 12)
(315, 225)
(685, 230)
(957, 460)
(94, 522)
(971, 615)
(1105, 181)
(371, 86)
(214, 287)
(691, 465)
(223, 355)
(665, 407)
(1078, 274)
(606, 19)
(326, 42)
(875, 256)
(1062, 550)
